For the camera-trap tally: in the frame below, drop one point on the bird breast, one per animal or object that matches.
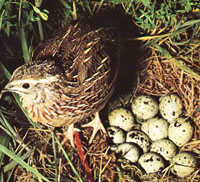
(46, 107)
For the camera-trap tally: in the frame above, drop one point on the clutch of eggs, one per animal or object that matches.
(163, 130)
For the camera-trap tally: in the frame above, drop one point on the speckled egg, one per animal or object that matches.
(121, 118)
(140, 138)
(166, 148)
(128, 151)
(170, 107)
(151, 162)
(116, 134)
(144, 107)
(156, 128)
(180, 131)
(184, 164)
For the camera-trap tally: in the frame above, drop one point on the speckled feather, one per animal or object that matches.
(84, 62)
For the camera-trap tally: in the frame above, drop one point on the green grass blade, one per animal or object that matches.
(20, 11)
(13, 163)
(8, 129)
(65, 4)
(24, 45)
(1, 176)
(5, 71)
(68, 9)
(100, 5)
(1, 19)
(21, 162)
(1, 3)
(38, 4)
(55, 156)
(4, 140)
(68, 160)
(9, 175)
(190, 23)
(40, 29)
(178, 63)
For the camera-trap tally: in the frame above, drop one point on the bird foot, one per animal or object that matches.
(69, 135)
(97, 125)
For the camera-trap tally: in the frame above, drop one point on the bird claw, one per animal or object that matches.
(97, 125)
(69, 135)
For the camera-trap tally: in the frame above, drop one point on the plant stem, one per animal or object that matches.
(40, 29)
(24, 45)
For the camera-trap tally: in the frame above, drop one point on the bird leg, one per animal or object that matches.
(69, 134)
(82, 157)
(96, 124)
(72, 134)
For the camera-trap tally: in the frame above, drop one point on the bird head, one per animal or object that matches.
(31, 80)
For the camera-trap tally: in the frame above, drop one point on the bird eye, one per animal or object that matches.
(25, 85)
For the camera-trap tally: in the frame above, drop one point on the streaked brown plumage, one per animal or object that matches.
(70, 77)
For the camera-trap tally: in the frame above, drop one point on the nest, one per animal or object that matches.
(163, 74)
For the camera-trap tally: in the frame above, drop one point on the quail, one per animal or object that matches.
(70, 77)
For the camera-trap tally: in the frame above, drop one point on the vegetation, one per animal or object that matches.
(167, 30)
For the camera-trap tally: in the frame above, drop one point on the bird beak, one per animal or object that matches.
(7, 88)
